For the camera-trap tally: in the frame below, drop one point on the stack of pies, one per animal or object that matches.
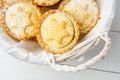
(56, 24)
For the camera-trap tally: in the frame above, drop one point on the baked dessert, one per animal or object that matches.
(46, 2)
(86, 12)
(20, 20)
(58, 32)
(8, 2)
(47, 8)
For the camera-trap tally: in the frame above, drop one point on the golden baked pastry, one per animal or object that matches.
(8, 2)
(47, 8)
(58, 31)
(86, 12)
(20, 20)
(46, 2)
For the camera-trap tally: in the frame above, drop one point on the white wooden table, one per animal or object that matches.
(107, 69)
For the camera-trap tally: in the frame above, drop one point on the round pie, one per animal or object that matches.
(20, 20)
(58, 31)
(46, 2)
(86, 13)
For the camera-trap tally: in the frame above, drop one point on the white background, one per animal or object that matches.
(107, 69)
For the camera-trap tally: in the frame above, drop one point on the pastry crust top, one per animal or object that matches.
(46, 2)
(20, 20)
(86, 12)
(9, 2)
(58, 31)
